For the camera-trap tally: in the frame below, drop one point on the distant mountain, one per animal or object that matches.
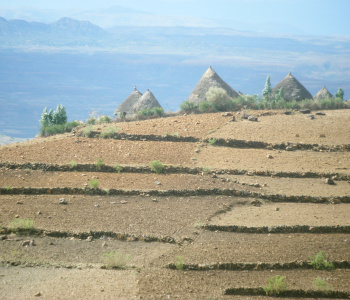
(65, 31)
(4, 140)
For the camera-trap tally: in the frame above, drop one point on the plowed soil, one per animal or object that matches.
(74, 267)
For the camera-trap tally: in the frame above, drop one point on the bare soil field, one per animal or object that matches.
(64, 253)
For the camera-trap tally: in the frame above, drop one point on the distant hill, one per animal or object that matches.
(4, 140)
(64, 32)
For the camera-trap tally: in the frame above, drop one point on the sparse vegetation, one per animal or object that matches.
(276, 285)
(22, 224)
(115, 259)
(320, 261)
(99, 164)
(94, 184)
(118, 168)
(157, 166)
(175, 134)
(8, 188)
(322, 285)
(91, 121)
(179, 264)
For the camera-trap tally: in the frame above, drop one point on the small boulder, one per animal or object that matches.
(157, 182)
(330, 181)
(227, 114)
(63, 201)
(319, 113)
(28, 243)
(253, 118)
(89, 238)
(287, 112)
(305, 111)
(311, 117)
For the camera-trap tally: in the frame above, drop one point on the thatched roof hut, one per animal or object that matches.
(323, 94)
(147, 100)
(208, 80)
(128, 103)
(292, 89)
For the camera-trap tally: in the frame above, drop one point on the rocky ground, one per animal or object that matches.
(65, 258)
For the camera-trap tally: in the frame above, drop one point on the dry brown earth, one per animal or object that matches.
(70, 268)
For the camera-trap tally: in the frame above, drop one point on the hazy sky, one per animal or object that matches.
(321, 17)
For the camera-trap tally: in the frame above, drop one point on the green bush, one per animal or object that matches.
(320, 262)
(116, 259)
(94, 184)
(157, 166)
(99, 163)
(104, 119)
(73, 163)
(179, 264)
(57, 129)
(91, 121)
(188, 107)
(156, 111)
(22, 224)
(118, 168)
(87, 132)
(322, 285)
(212, 141)
(276, 284)
(206, 107)
(109, 132)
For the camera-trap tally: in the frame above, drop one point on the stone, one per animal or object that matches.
(3, 237)
(311, 117)
(157, 182)
(287, 112)
(255, 202)
(330, 181)
(19, 202)
(28, 243)
(289, 148)
(123, 202)
(253, 118)
(154, 200)
(319, 113)
(277, 209)
(305, 111)
(226, 114)
(269, 156)
(104, 244)
(89, 238)
(96, 205)
(63, 201)
(38, 294)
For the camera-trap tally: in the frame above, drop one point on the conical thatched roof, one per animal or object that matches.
(208, 80)
(146, 101)
(292, 89)
(129, 102)
(323, 94)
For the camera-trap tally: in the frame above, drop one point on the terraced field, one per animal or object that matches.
(237, 203)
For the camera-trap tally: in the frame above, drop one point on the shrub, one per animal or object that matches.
(147, 112)
(22, 224)
(212, 141)
(115, 259)
(179, 264)
(157, 166)
(206, 107)
(322, 285)
(73, 163)
(56, 129)
(104, 119)
(219, 99)
(99, 163)
(206, 170)
(87, 132)
(8, 188)
(91, 121)
(109, 132)
(320, 262)
(175, 134)
(94, 184)
(276, 284)
(118, 168)
(188, 107)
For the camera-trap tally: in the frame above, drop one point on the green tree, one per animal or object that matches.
(45, 120)
(279, 95)
(59, 117)
(340, 94)
(267, 88)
